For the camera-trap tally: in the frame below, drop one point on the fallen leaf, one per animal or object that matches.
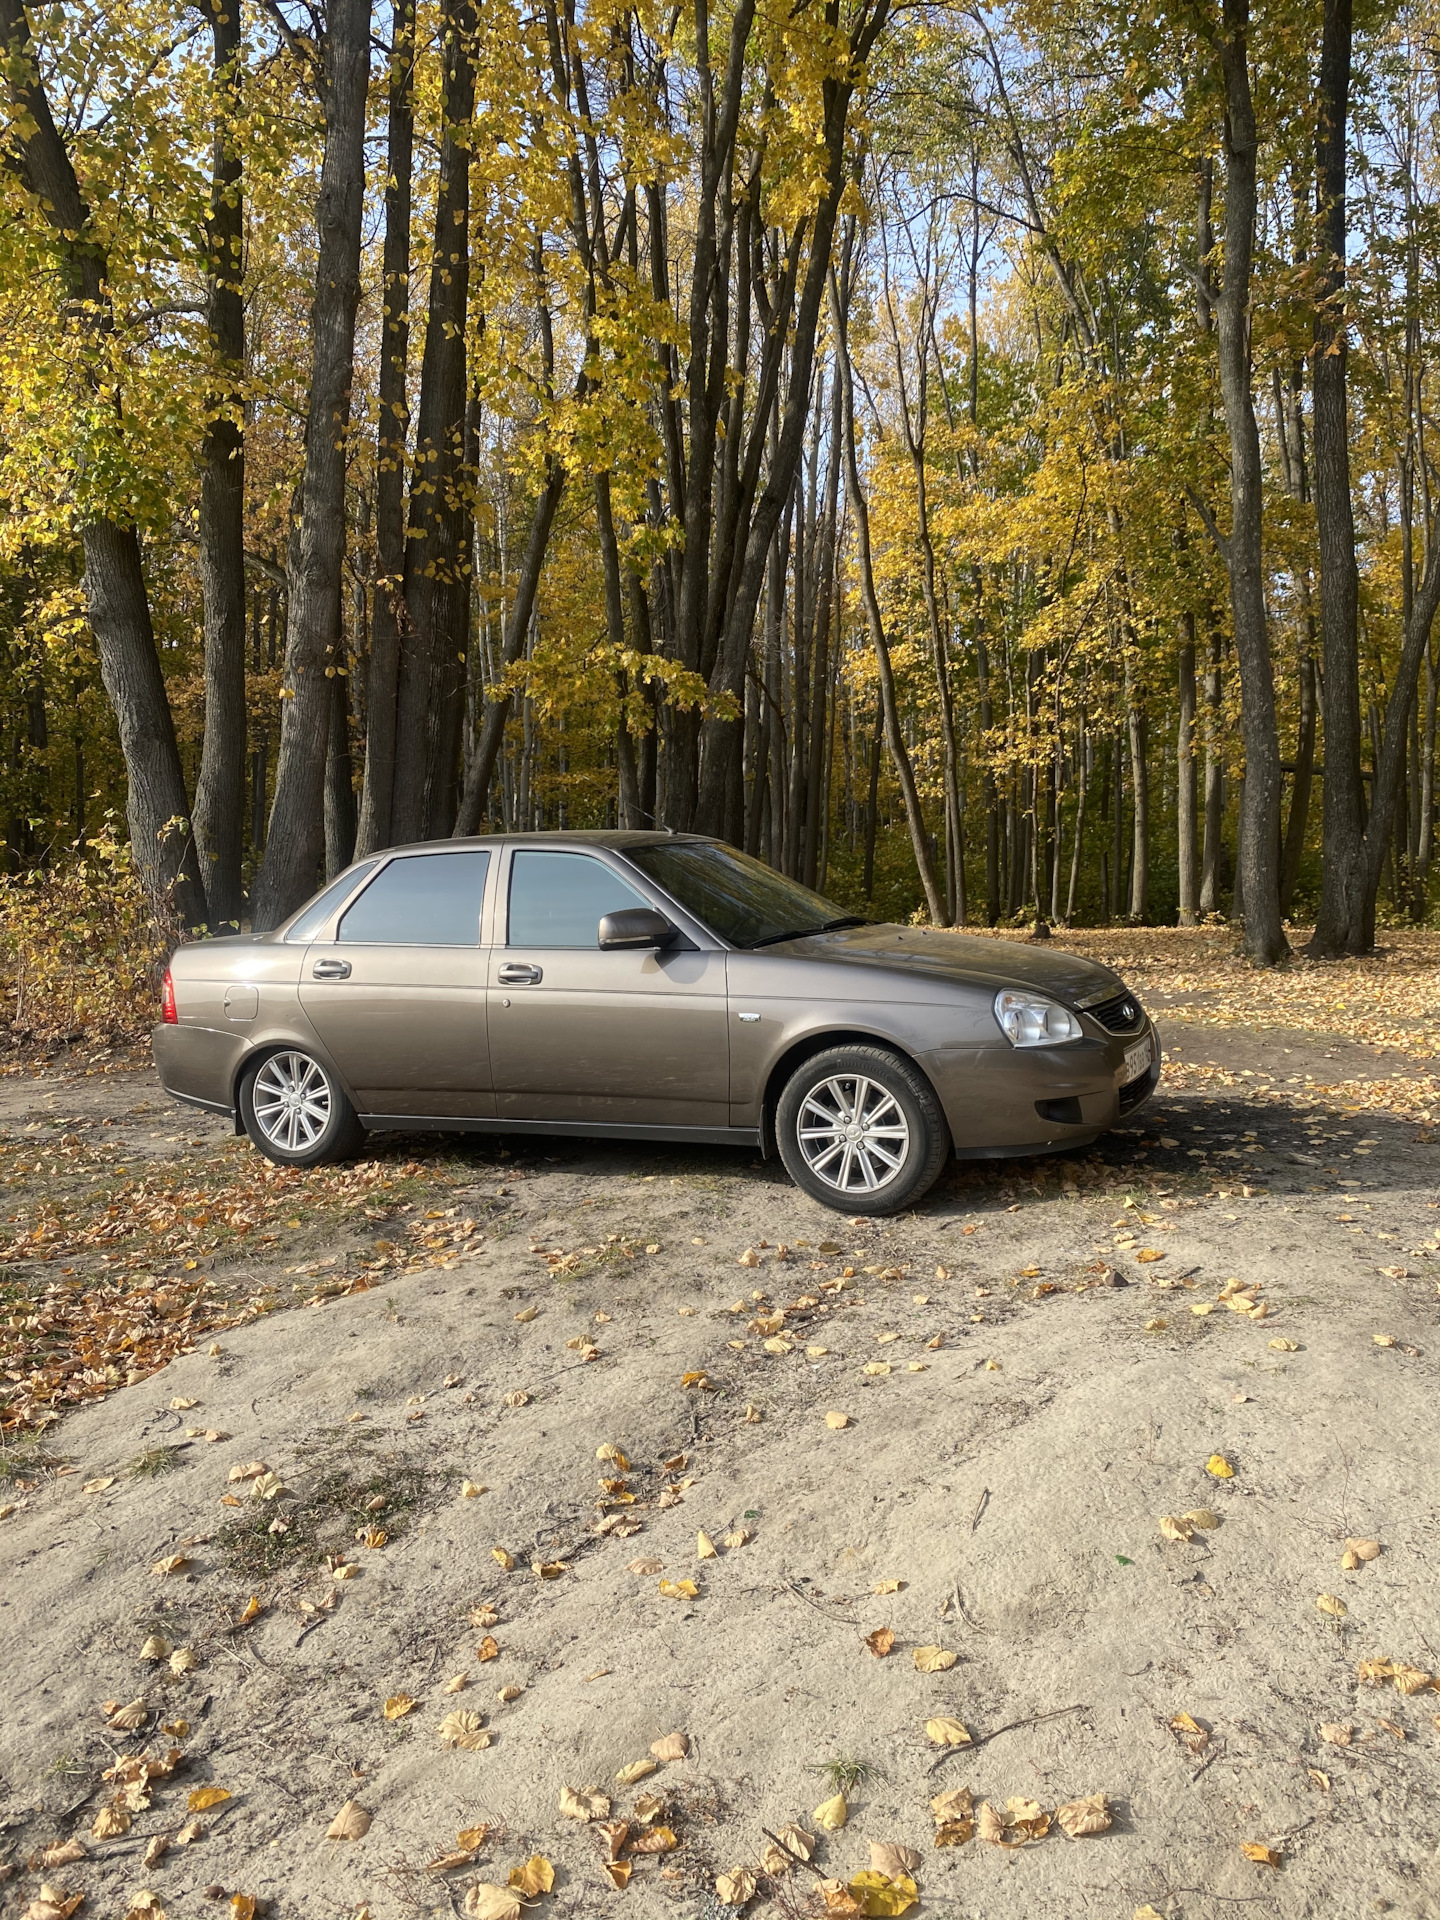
(488, 1649)
(252, 1610)
(507, 1694)
(584, 1803)
(835, 1421)
(733, 1889)
(535, 1877)
(1195, 1737)
(247, 1470)
(647, 1807)
(619, 1872)
(637, 1770)
(946, 1733)
(463, 1729)
(645, 1567)
(112, 1820)
(484, 1615)
(673, 1746)
(199, 1799)
(1219, 1467)
(1027, 1817)
(1336, 1732)
(184, 1660)
(934, 1659)
(398, 1705)
(1201, 1517)
(473, 1837)
(1263, 1855)
(705, 1548)
(1330, 1604)
(485, 1901)
(470, 1489)
(888, 1586)
(657, 1840)
(99, 1486)
(175, 1563)
(832, 1813)
(352, 1822)
(1363, 1549)
(1172, 1528)
(156, 1849)
(796, 1840)
(838, 1898)
(891, 1859)
(679, 1589)
(877, 1894)
(155, 1648)
(517, 1399)
(880, 1642)
(1285, 1346)
(502, 1558)
(1089, 1815)
(954, 1833)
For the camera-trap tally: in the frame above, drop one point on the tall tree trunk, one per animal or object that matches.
(1139, 727)
(157, 805)
(1303, 780)
(1265, 941)
(297, 823)
(1212, 856)
(339, 782)
(1340, 924)
(437, 548)
(1186, 784)
(860, 515)
(393, 420)
(220, 789)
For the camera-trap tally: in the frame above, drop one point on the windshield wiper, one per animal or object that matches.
(804, 933)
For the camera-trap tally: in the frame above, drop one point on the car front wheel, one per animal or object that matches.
(296, 1112)
(860, 1130)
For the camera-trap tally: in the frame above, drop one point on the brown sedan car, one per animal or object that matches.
(647, 986)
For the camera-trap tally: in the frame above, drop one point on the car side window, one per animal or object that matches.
(324, 904)
(421, 900)
(559, 899)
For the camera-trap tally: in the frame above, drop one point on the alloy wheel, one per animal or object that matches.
(853, 1133)
(292, 1103)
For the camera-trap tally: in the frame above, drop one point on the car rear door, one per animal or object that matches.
(398, 996)
(577, 1034)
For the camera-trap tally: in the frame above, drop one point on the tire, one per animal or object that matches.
(908, 1141)
(296, 1112)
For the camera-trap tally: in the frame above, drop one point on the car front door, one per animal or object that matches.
(398, 996)
(577, 1034)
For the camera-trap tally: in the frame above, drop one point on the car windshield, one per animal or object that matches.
(745, 902)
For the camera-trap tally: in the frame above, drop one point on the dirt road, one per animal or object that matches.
(1033, 1372)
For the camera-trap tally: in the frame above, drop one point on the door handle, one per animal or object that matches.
(331, 970)
(519, 973)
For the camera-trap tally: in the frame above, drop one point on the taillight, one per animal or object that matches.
(167, 1001)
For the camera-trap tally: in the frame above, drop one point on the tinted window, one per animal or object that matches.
(324, 904)
(421, 900)
(558, 899)
(744, 901)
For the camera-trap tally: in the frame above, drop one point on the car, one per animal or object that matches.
(647, 986)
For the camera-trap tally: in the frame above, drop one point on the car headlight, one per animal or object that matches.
(1030, 1020)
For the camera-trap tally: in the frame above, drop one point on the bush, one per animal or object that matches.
(81, 951)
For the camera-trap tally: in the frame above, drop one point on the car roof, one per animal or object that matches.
(617, 838)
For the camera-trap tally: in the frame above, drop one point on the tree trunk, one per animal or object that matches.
(1265, 941)
(393, 419)
(1340, 924)
(297, 824)
(1186, 788)
(437, 548)
(220, 789)
(339, 782)
(1301, 784)
(859, 513)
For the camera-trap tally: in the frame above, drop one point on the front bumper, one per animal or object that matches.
(1001, 1100)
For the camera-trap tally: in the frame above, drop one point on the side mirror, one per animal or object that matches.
(635, 928)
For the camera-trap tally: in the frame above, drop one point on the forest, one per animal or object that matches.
(976, 457)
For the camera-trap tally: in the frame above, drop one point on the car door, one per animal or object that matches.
(398, 996)
(577, 1034)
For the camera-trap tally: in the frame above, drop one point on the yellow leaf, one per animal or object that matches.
(1089, 1815)
(891, 1859)
(1328, 1603)
(1363, 1549)
(352, 1822)
(934, 1659)
(535, 1877)
(947, 1733)
(1263, 1855)
(110, 1821)
(619, 1872)
(469, 1489)
(175, 1563)
(502, 1558)
(637, 1770)
(673, 1746)
(705, 1548)
(614, 1456)
(879, 1895)
(488, 1649)
(679, 1589)
(199, 1798)
(1173, 1529)
(733, 1889)
(398, 1705)
(832, 1813)
(485, 1901)
(1201, 1517)
(835, 1421)
(463, 1730)
(888, 1586)
(880, 1642)
(584, 1803)
(99, 1486)
(1285, 1346)
(1219, 1467)
(1146, 1254)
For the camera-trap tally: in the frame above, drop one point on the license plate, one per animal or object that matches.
(1137, 1059)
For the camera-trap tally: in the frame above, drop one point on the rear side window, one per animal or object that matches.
(324, 904)
(421, 900)
(559, 899)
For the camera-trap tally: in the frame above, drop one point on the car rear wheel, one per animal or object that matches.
(296, 1112)
(860, 1130)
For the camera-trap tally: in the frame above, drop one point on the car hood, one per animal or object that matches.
(965, 958)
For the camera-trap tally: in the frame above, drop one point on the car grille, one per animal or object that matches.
(1120, 1014)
